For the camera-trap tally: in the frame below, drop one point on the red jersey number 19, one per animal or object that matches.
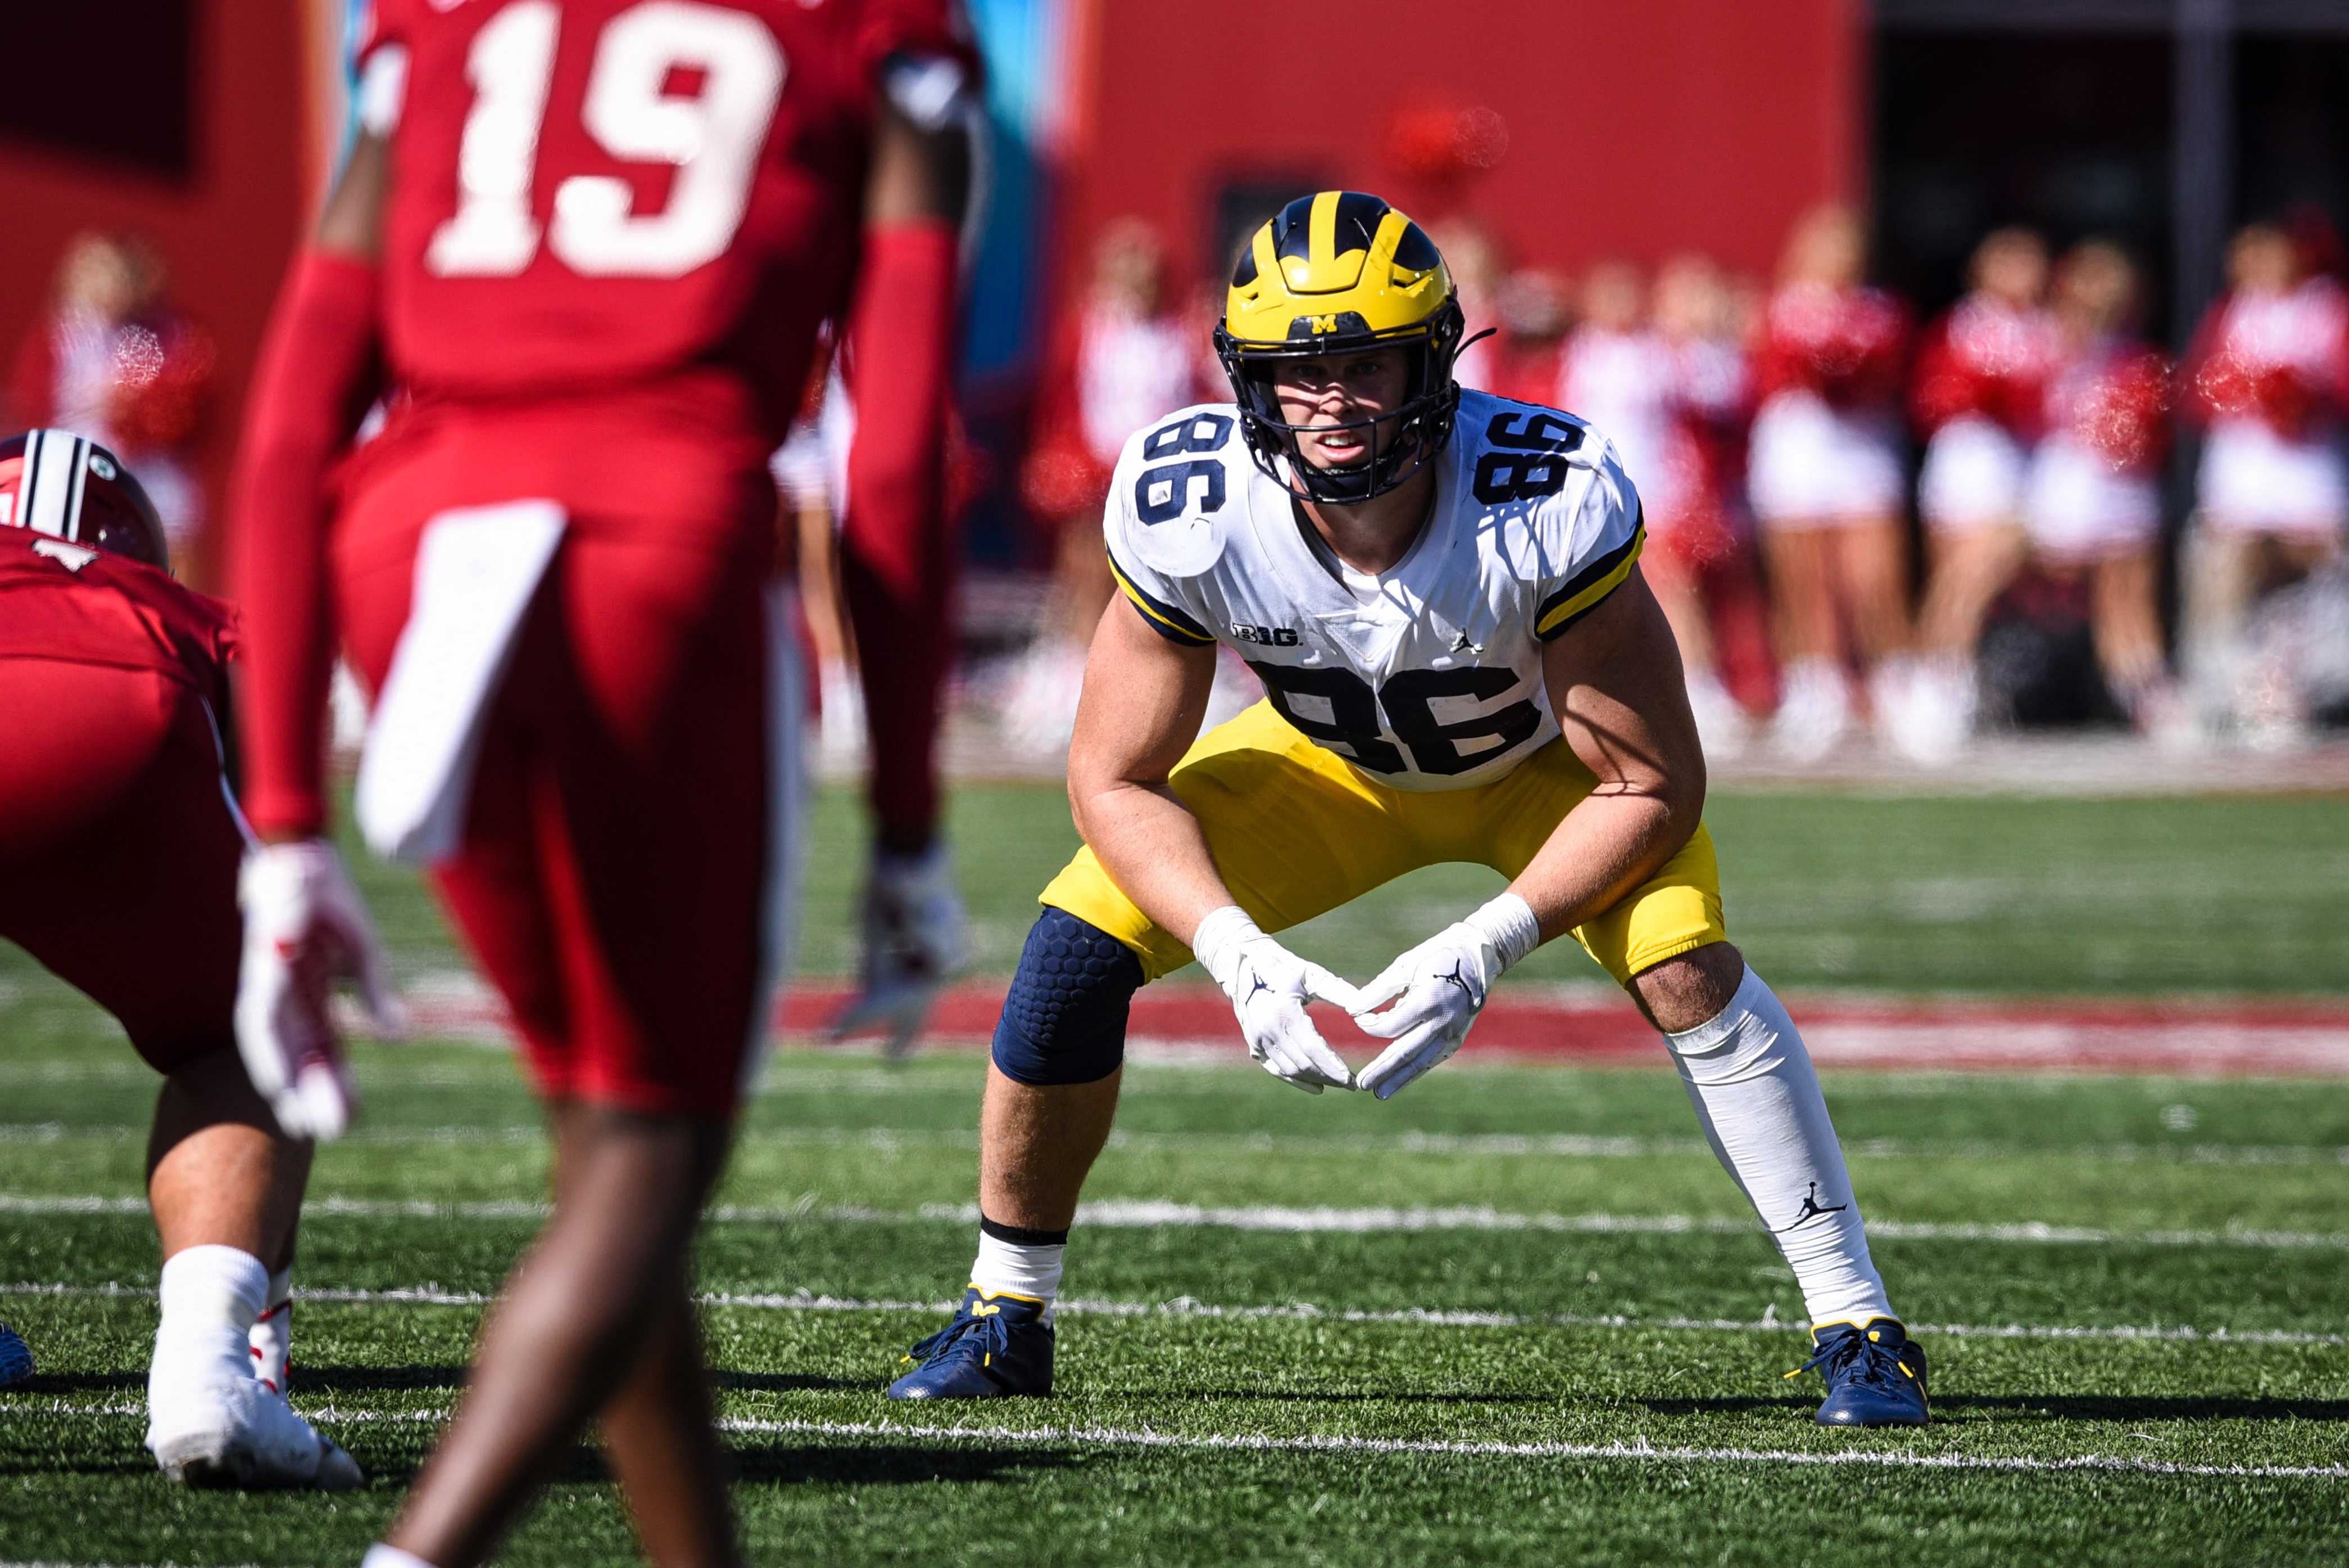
(712, 138)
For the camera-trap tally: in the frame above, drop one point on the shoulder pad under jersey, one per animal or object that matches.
(1178, 483)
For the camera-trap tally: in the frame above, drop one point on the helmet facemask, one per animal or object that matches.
(1421, 422)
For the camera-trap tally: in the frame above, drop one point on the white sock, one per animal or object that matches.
(1017, 1269)
(272, 1340)
(382, 1556)
(211, 1296)
(1758, 1100)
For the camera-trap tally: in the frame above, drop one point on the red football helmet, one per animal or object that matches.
(54, 482)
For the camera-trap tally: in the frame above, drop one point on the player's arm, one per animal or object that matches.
(897, 564)
(1615, 683)
(1143, 699)
(1144, 696)
(896, 545)
(316, 374)
(303, 922)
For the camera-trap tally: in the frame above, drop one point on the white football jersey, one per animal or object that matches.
(1426, 676)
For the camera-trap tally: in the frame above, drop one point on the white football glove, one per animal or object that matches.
(1437, 989)
(1268, 986)
(305, 928)
(916, 938)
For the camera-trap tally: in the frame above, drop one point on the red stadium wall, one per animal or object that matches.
(225, 231)
(1632, 130)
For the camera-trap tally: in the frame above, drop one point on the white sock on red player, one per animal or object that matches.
(382, 1556)
(210, 1297)
(272, 1340)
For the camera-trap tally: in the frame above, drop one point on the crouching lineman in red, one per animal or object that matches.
(590, 243)
(119, 852)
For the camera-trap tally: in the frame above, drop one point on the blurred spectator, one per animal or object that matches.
(1534, 315)
(111, 360)
(1700, 561)
(1627, 378)
(2266, 374)
(811, 472)
(2092, 502)
(1825, 479)
(1474, 258)
(1125, 358)
(1978, 395)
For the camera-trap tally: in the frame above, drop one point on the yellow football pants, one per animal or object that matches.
(1295, 832)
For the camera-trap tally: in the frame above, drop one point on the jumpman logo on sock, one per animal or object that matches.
(1812, 1209)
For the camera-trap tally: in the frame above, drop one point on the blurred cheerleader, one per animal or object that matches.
(2266, 373)
(2093, 499)
(1825, 478)
(1980, 381)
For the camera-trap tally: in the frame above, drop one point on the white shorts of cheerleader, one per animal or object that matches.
(2254, 481)
(2078, 508)
(1973, 477)
(1812, 465)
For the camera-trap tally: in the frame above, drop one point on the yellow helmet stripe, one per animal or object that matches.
(1322, 230)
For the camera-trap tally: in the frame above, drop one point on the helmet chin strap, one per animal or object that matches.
(1349, 484)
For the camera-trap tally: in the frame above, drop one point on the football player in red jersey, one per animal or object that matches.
(590, 241)
(119, 853)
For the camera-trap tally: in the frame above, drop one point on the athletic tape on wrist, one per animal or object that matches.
(1220, 931)
(1508, 923)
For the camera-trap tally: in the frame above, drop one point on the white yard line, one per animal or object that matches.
(1123, 1436)
(1148, 1213)
(1187, 1306)
(1571, 1146)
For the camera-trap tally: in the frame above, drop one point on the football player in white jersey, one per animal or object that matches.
(1440, 590)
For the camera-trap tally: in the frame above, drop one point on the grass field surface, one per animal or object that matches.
(1515, 1315)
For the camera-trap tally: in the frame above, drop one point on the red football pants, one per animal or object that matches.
(620, 877)
(118, 851)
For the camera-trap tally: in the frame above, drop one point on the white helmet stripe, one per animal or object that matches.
(50, 496)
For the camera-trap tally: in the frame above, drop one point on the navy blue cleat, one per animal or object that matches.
(1875, 1373)
(997, 1345)
(16, 1357)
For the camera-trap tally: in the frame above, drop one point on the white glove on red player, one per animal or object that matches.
(1268, 986)
(916, 938)
(305, 928)
(1437, 989)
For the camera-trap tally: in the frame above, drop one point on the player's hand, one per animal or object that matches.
(305, 928)
(916, 938)
(1269, 986)
(1437, 989)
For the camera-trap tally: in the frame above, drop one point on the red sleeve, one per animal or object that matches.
(308, 391)
(896, 546)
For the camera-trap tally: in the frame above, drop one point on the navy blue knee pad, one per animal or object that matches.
(1064, 1021)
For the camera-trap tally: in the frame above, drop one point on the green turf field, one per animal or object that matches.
(1515, 1315)
(2231, 894)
